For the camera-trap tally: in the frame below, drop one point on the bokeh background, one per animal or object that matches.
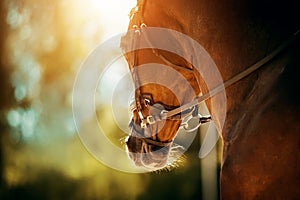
(43, 43)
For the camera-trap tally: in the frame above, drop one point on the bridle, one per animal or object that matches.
(136, 106)
(190, 110)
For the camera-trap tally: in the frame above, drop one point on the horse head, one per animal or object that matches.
(163, 83)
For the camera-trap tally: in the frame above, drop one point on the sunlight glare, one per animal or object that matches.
(100, 17)
(113, 14)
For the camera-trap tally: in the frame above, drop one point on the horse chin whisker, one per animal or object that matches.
(175, 160)
(171, 166)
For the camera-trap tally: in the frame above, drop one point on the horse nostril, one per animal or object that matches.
(127, 141)
(132, 144)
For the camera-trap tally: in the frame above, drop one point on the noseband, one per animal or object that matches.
(185, 115)
(190, 110)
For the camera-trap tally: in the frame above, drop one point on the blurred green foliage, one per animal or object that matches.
(42, 46)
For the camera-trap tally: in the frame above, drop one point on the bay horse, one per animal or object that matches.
(260, 135)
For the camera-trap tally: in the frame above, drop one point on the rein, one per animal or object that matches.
(168, 114)
(234, 79)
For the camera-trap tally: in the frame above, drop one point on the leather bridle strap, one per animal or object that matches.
(233, 80)
(148, 140)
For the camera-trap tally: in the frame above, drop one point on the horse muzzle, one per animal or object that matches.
(147, 155)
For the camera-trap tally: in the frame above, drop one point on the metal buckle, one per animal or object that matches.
(143, 123)
(147, 102)
(202, 120)
(149, 120)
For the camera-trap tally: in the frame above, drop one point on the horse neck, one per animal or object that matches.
(249, 98)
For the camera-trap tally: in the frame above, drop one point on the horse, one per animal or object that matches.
(260, 135)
